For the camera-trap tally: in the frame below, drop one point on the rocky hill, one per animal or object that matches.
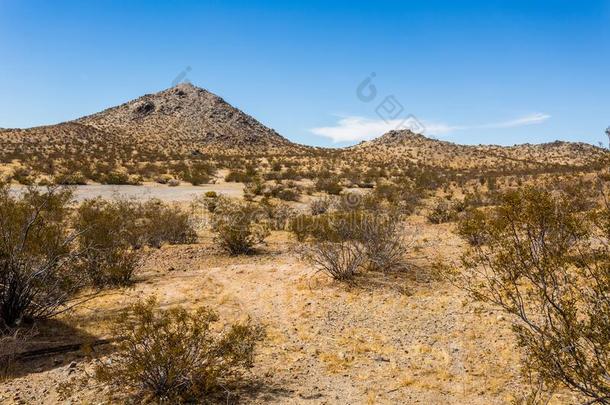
(181, 119)
(188, 115)
(417, 148)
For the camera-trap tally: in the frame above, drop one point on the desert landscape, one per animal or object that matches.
(234, 203)
(243, 240)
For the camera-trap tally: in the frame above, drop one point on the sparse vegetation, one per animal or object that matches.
(341, 260)
(547, 265)
(38, 259)
(237, 226)
(178, 356)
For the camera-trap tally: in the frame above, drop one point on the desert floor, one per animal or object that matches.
(407, 338)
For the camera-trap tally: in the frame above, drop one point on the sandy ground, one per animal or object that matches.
(406, 338)
(181, 193)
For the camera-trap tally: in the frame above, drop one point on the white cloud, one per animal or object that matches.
(355, 128)
(531, 119)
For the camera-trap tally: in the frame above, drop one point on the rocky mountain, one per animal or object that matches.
(181, 119)
(188, 115)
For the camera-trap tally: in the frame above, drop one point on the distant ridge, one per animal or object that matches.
(184, 120)
(405, 144)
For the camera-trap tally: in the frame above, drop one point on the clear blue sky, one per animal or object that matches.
(471, 71)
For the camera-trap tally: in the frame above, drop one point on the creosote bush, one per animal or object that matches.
(114, 231)
(238, 226)
(344, 242)
(38, 256)
(442, 211)
(176, 355)
(384, 243)
(107, 241)
(341, 260)
(545, 263)
(471, 227)
(320, 206)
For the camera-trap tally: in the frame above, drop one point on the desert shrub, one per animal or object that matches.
(195, 178)
(442, 211)
(286, 194)
(208, 201)
(161, 223)
(253, 188)
(384, 243)
(115, 178)
(23, 176)
(108, 240)
(196, 173)
(235, 176)
(335, 226)
(38, 258)
(163, 178)
(471, 227)
(178, 356)
(343, 242)
(548, 266)
(237, 226)
(278, 214)
(402, 195)
(113, 231)
(73, 179)
(329, 185)
(320, 206)
(341, 260)
(302, 226)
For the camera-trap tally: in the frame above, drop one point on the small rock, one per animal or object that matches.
(72, 365)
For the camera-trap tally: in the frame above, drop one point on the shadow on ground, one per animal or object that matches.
(44, 346)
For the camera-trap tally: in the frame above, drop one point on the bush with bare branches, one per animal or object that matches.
(341, 260)
(384, 243)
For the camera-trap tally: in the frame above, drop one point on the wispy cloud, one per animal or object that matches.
(355, 128)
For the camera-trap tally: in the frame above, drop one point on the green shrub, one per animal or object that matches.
(471, 227)
(288, 194)
(320, 206)
(344, 242)
(329, 185)
(178, 356)
(108, 240)
(113, 231)
(23, 176)
(115, 178)
(546, 265)
(237, 226)
(162, 223)
(74, 179)
(38, 257)
(235, 176)
(384, 243)
(442, 211)
(334, 226)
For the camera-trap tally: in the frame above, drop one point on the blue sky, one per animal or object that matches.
(471, 72)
